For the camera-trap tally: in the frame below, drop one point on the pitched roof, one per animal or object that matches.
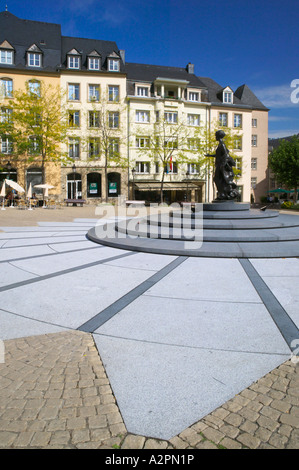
(243, 96)
(22, 34)
(149, 73)
(87, 47)
(248, 97)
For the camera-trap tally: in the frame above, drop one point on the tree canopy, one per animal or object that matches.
(284, 162)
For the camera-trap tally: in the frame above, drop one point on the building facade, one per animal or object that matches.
(131, 126)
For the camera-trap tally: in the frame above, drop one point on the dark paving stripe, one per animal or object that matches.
(65, 271)
(98, 320)
(284, 323)
(10, 260)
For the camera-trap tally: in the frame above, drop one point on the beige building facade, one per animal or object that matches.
(115, 115)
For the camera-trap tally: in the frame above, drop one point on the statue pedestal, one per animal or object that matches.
(226, 206)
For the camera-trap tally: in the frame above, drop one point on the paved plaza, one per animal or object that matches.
(108, 348)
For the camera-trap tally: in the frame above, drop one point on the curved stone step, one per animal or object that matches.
(141, 228)
(109, 236)
(283, 221)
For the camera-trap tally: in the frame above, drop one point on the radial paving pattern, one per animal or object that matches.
(178, 335)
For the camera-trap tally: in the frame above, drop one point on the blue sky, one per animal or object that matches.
(234, 42)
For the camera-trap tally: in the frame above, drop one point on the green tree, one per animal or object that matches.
(284, 162)
(35, 125)
(107, 134)
(171, 143)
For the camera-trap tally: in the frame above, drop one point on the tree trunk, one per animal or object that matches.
(162, 184)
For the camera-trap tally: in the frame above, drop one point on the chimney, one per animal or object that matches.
(122, 54)
(190, 68)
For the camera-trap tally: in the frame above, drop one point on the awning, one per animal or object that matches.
(156, 186)
(279, 190)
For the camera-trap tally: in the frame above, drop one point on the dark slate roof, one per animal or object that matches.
(22, 34)
(248, 97)
(243, 96)
(86, 47)
(149, 73)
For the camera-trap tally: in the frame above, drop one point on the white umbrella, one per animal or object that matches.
(29, 196)
(15, 186)
(29, 192)
(46, 187)
(2, 194)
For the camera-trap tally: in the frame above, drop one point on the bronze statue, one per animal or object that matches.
(224, 174)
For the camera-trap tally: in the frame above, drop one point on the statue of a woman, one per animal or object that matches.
(224, 174)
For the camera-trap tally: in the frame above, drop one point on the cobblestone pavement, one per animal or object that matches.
(54, 394)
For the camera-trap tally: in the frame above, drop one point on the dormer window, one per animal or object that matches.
(34, 60)
(6, 53)
(74, 60)
(34, 56)
(94, 61)
(142, 91)
(228, 95)
(113, 63)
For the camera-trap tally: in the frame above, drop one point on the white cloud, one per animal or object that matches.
(276, 96)
(283, 133)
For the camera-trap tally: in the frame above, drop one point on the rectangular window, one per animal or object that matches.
(34, 59)
(171, 167)
(74, 118)
(142, 142)
(6, 145)
(142, 116)
(74, 62)
(171, 118)
(239, 166)
(6, 115)
(193, 144)
(237, 120)
(94, 92)
(94, 63)
(227, 97)
(254, 163)
(74, 148)
(193, 119)
(113, 93)
(254, 141)
(171, 143)
(6, 57)
(94, 119)
(6, 87)
(223, 119)
(113, 65)
(253, 182)
(193, 168)
(113, 120)
(34, 87)
(193, 96)
(34, 145)
(74, 91)
(237, 142)
(94, 148)
(142, 167)
(142, 91)
(113, 148)
(254, 122)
